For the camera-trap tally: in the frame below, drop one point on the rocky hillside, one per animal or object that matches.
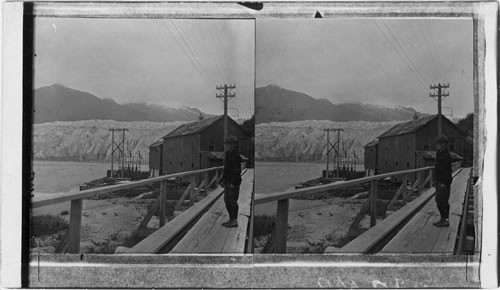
(276, 104)
(306, 140)
(59, 103)
(91, 140)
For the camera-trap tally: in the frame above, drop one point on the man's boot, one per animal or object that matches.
(232, 223)
(442, 223)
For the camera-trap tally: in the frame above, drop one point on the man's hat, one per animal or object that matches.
(441, 139)
(231, 140)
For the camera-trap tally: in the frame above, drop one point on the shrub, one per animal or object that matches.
(43, 225)
(341, 238)
(263, 225)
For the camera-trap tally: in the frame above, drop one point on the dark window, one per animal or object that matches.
(181, 163)
(192, 165)
(211, 147)
(397, 164)
(386, 162)
(426, 147)
(407, 164)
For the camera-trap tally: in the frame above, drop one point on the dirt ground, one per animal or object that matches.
(310, 222)
(101, 219)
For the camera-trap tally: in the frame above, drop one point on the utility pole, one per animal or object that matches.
(225, 94)
(335, 147)
(439, 94)
(117, 146)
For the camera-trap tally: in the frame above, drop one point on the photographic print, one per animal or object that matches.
(143, 135)
(364, 136)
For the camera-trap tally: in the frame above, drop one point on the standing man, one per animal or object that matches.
(232, 181)
(443, 179)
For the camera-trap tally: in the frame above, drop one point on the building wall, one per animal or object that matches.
(212, 139)
(371, 157)
(396, 153)
(155, 157)
(181, 153)
(425, 137)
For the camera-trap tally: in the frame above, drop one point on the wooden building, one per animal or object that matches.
(410, 144)
(156, 158)
(196, 145)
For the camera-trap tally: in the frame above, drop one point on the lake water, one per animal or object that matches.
(280, 176)
(64, 176)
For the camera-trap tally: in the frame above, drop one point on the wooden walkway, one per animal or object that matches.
(419, 235)
(209, 236)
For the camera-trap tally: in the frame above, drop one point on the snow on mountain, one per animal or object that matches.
(306, 140)
(91, 140)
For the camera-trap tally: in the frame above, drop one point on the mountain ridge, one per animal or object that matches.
(60, 103)
(277, 104)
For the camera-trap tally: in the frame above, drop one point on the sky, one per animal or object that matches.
(382, 61)
(175, 62)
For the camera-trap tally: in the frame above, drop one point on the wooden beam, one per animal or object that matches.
(184, 195)
(150, 214)
(396, 195)
(163, 236)
(214, 179)
(75, 225)
(361, 214)
(266, 198)
(373, 203)
(112, 188)
(163, 202)
(281, 226)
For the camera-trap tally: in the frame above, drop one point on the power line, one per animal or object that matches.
(397, 51)
(404, 52)
(186, 54)
(441, 74)
(428, 52)
(189, 48)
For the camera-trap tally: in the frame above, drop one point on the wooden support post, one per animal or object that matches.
(150, 214)
(214, 179)
(397, 195)
(360, 215)
(405, 189)
(373, 203)
(184, 195)
(193, 191)
(205, 181)
(75, 225)
(431, 179)
(281, 226)
(419, 182)
(163, 202)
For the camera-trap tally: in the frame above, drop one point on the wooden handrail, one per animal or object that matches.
(281, 227)
(75, 220)
(112, 188)
(266, 198)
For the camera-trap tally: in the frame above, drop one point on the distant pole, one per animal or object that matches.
(338, 151)
(225, 94)
(123, 152)
(327, 151)
(335, 147)
(439, 94)
(112, 151)
(117, 146)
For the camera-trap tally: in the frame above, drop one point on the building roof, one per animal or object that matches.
(157, 143)
(408, 127)
(193, 127)
(372, 143)
(432, 155)
(217, 155)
